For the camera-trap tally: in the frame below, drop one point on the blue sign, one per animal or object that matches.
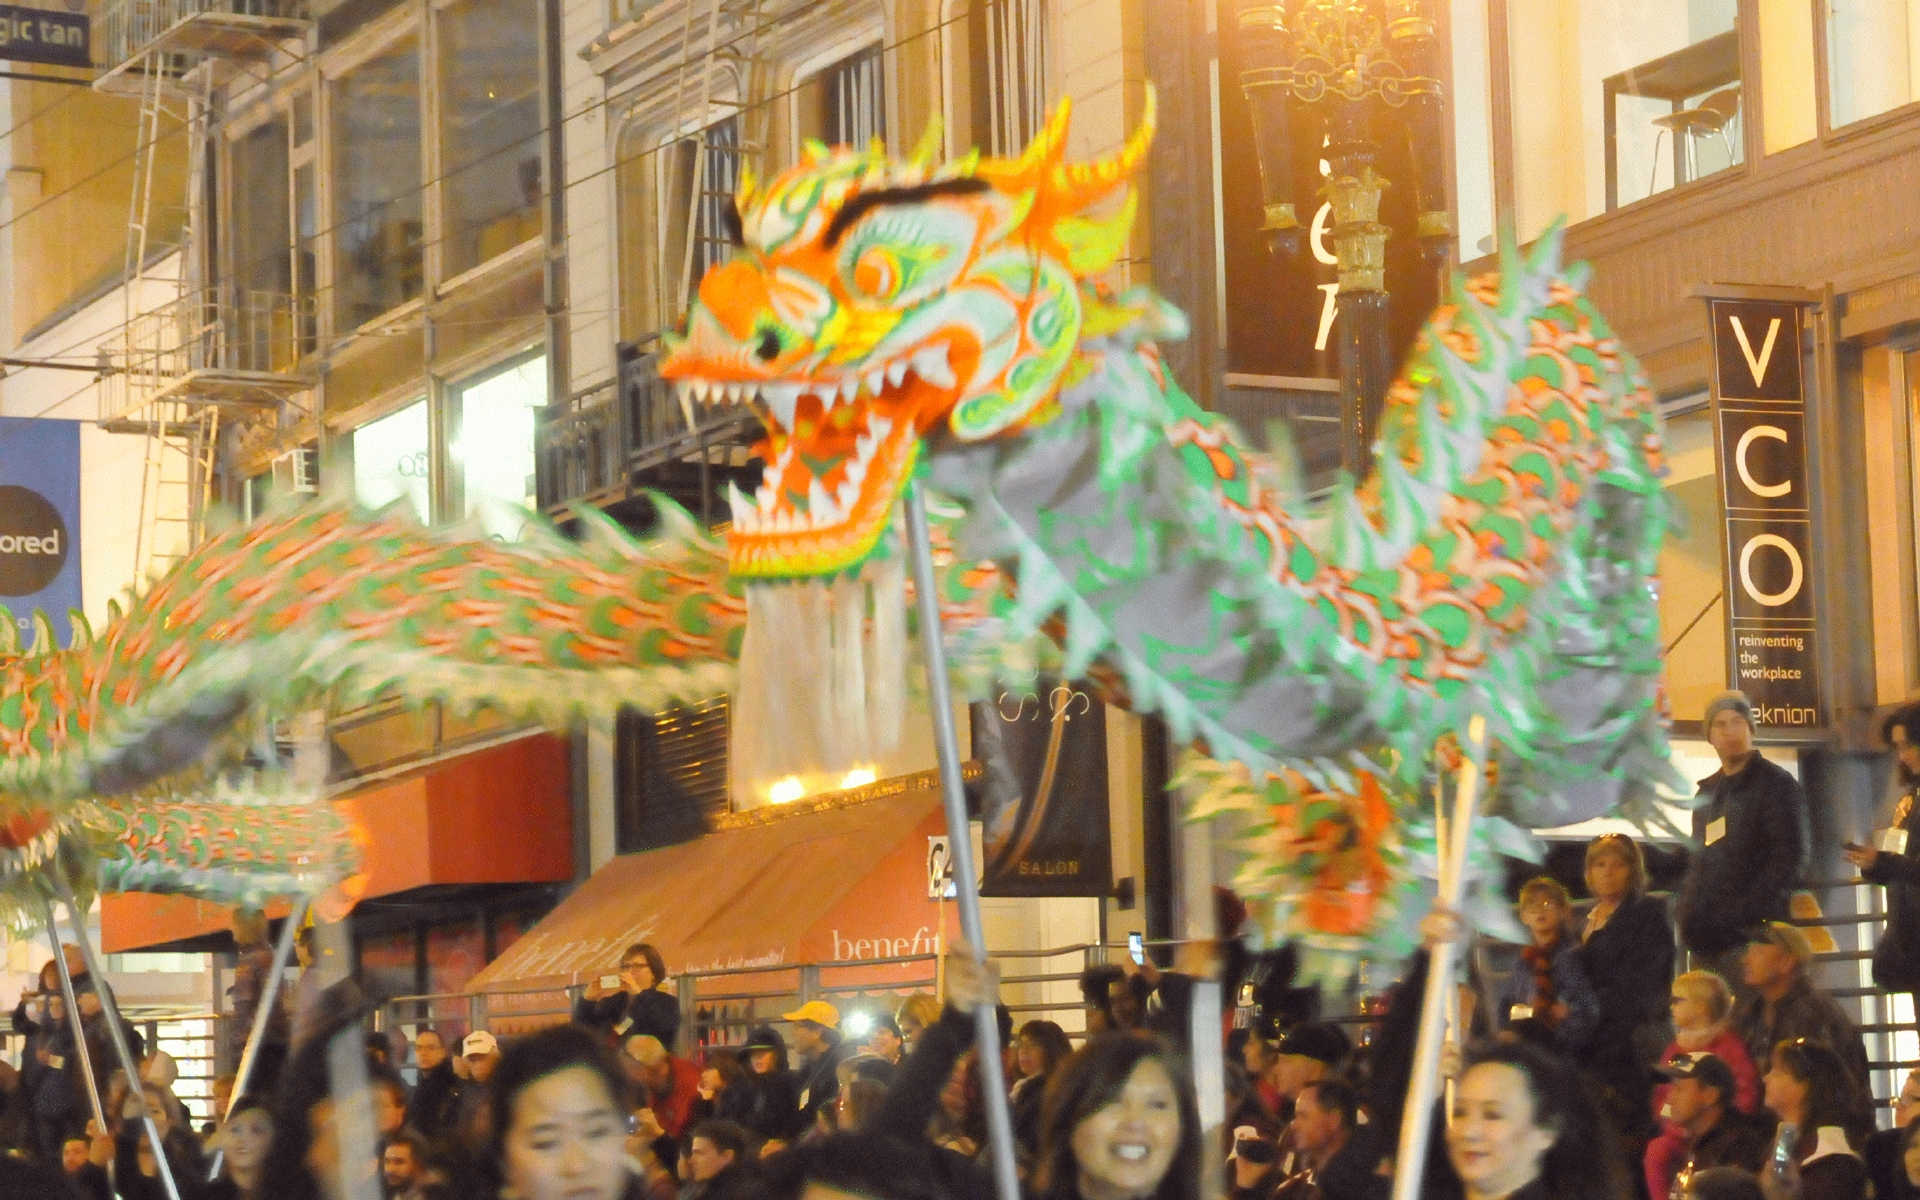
(36, 35)
(40, 521)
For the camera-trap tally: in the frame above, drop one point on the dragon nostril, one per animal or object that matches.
(769, 347)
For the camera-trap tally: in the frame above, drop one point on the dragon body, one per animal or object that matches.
(899, 323)
(891, 320)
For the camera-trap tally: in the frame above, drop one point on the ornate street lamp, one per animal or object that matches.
(1352, 73)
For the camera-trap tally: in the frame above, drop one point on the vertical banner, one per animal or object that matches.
(1044, 812)
(1760, 442)
(40, 521)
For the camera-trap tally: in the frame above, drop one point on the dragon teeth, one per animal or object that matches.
(745, 518)
(850, 489)
(877, 380)
(930, 364)
(781, 400)
(895, 373)
(821, 509)
(850, 388)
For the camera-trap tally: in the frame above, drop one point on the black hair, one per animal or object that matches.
(728, 1137)
(1907, 717)
(1583, 1163)
(868, 1165)
(1725, 1183)
(1090, 1079)
(533, 1058)
(380, 1074)
(1336, 1095)
(1003, 1021)
(409, 1138)
(1096, 984)
(1051, 1039)
(248, 1103)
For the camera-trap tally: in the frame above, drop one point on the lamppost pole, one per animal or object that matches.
(1338, 69)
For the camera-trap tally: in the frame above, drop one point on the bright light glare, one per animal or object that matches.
(787, 790)
(859, 777)
(860, 1024)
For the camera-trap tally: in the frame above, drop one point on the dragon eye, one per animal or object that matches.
(875, 273)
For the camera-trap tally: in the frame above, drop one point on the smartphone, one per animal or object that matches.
(610, 982)
(1137, 949)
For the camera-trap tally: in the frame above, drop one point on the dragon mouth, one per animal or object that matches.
(837, 450)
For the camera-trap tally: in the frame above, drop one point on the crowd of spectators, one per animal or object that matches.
(1590, 1071)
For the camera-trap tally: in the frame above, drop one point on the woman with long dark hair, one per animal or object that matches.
(245, 1134)
(1524, 1126)
(1808, 1089)
(1039, 1048)
(1119, 1123)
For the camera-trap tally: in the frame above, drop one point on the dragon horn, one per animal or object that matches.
(1086, 184)
(743, 195)
(82, 630)
(9, 633)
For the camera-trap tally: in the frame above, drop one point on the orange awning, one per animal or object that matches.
(498, 815)
(845, 883)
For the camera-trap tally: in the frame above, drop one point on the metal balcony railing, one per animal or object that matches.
(219, 346)
(630, 433)
(133, 27)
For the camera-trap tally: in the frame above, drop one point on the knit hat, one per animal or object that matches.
(1735, 700)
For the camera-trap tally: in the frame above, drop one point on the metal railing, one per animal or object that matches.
(127, 27)
(602, 443)
(234, 330)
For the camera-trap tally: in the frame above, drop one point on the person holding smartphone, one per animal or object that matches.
(1893, 861)
(633, 1002)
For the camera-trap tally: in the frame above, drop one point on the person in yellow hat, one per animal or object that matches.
(816, 1042)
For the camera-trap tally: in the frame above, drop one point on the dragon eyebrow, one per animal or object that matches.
(731, 224)
(857, 207)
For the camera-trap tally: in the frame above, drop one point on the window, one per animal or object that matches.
(493, 457)
(854, 99)
(393, 460)
(1693, 623)
(670, 774)
(702, 173)
(1871, 57)
(259, 242)
(490, 127)
(377, 178)
(1009, 72)
(1619, 100)
(1472, 97)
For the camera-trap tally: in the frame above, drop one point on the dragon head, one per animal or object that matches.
(872, 301)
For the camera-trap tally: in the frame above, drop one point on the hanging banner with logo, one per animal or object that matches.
(40, 521)
(36, 35)
(1044, 807)
(1760, 430)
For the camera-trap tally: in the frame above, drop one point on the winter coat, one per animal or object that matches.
(1736, 1140)
(1571, 988)
(1745, 877)
(1896, 960)
(820, 1081)
(1629, 961)
(1833, 1171)
(435, 1108)
(622, 1015)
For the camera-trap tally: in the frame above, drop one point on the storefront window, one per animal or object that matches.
(377, 177)
(702, 173)
(1693, 621)
(490, 129)
(1619, 100)
(393, 460)
(493, 451)
(1870, 57)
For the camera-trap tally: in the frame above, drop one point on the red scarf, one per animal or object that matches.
(1539, 960)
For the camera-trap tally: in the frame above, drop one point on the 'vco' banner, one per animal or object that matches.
(39, 521)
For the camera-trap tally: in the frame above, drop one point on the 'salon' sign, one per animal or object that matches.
(1760, 430)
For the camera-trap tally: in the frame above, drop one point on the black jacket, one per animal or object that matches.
(435, 1108)
(1896, 960)
(1747, 875)
(1629, 962)
(1736, 1140)
(621, 1015)
(915, 1095)
(820, 1083)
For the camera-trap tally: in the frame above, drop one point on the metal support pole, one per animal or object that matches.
(1410, 1162)
(993, 1084)
(115, 1034)
(282, 951)
(73, 1016)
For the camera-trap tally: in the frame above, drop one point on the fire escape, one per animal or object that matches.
(191, 355)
